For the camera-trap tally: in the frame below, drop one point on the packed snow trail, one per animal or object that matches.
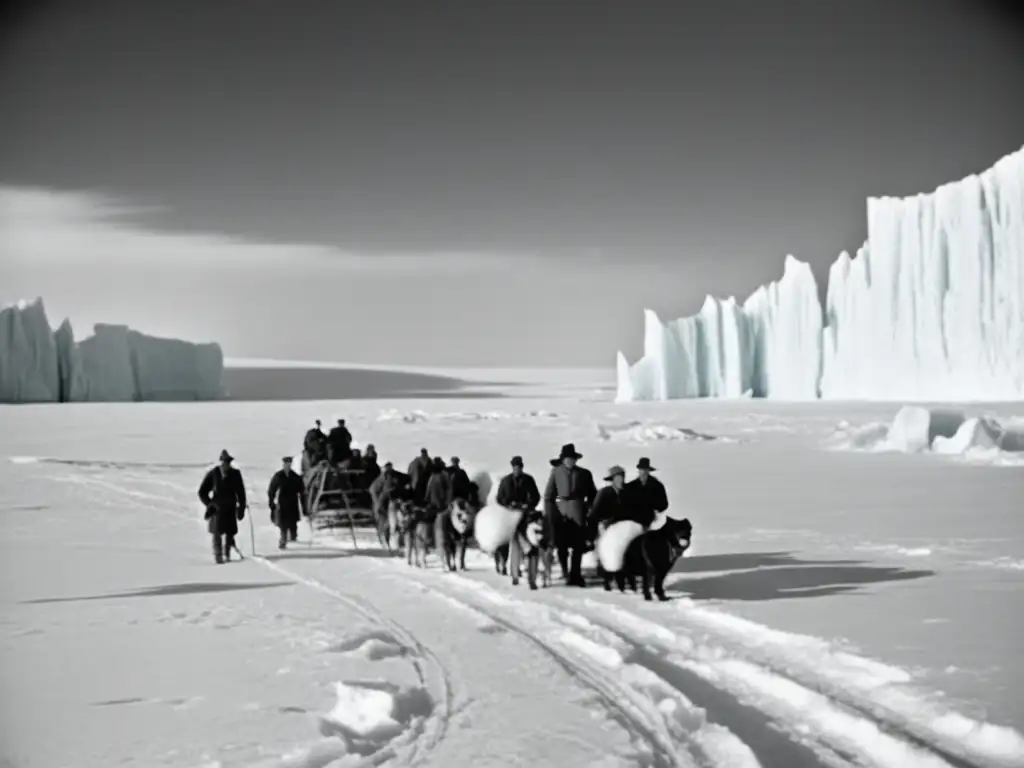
(472, 699)
(588, 678)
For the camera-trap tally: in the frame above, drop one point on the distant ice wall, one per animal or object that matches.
(115, 364)
(931, 308)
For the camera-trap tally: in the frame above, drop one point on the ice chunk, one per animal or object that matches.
(115, 364)
(931, 308)
(915, 428)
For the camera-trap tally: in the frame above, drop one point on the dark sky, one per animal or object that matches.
(657, 150)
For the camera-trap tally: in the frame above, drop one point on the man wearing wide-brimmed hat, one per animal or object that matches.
(222, 493)
(567, 497)
(611, 503)
(286, 497)
(648, 492)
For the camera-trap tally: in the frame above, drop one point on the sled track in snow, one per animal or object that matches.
(430, 671)
(771, 738)
(619, 700)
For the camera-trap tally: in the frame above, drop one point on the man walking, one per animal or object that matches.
(516, 490)
(647, 494)
(286, 498)
(567, 497)
(222, 493)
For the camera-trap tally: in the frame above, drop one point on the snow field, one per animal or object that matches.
(588, 678)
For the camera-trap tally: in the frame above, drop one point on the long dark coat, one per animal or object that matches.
(611, 506)
(569, 492)
(519, 491)
(649, 498)
(223, 495)
(459, 485)
(288, 493)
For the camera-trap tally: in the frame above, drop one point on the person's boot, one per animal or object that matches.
(293, 534)
(218, 556)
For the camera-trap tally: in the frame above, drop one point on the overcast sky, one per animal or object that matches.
(475, 183)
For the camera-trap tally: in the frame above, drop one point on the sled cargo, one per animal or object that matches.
(337, 497)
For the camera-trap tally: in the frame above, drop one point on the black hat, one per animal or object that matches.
(318, 422)
(455, 460)
(517, 461)
(568, 452)
(645, 463)
(287, 459)
(388, 465)
(225, 456)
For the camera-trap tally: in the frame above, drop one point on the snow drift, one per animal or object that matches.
(929, 309)
(915, 429)
(115, 364)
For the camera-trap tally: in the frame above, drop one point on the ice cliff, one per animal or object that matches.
(115, 364)
(931, 308)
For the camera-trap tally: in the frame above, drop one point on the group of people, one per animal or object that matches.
(575, 511)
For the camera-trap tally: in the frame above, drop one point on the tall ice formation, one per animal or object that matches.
(931, 308)
(115, 364)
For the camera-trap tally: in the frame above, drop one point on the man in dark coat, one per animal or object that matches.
(611, 504)
(315, 445)
(387, 485)
(339, 443)
(438, 491)
(459, 485)
(516, 490)
(419, 472)
(647, 493)
(222, 493)
(371, 467)
(568, 495)
(286, 497)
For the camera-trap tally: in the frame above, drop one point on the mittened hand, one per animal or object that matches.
(241, 514)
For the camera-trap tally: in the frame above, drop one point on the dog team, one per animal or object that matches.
(436, 507)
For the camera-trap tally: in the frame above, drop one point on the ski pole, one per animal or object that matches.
(252, 532)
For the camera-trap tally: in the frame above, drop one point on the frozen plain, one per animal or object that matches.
(838, 608)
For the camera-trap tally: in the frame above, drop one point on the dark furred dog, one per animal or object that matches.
(416, 529)
(652, 555)
(536, 549)
(452, 532)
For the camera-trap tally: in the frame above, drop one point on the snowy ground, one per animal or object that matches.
(838, 609)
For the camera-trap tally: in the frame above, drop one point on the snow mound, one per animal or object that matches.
(115, 364)
(916, 429)
(495, 526)
(369, 714)
(929, 309)
(613, 543)
(637, 432)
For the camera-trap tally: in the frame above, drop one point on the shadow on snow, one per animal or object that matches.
(758, 576)
(195, 588)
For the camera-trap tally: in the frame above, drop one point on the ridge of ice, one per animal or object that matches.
(115, 364)
(930, 308)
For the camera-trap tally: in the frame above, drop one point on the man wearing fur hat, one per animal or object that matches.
(648, 494)
(222, 493)
(286, 497)
(567, 497)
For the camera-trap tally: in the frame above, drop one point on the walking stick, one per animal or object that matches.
(252, 533)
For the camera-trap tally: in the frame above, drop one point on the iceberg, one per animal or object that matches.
(115, 364)
(930, 308)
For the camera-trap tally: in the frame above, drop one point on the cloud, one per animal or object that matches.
(42, 226)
